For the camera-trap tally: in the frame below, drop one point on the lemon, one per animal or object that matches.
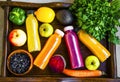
(45, 14)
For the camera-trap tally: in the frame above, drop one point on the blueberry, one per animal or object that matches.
(19, 63)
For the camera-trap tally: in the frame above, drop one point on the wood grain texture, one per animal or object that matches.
(56, 79)
(34, 5)
(1, 34)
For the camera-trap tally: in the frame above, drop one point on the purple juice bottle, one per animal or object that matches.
(73, 47)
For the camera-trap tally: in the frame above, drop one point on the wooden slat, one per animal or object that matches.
(56, 79)
(3, 72)
(34, 5)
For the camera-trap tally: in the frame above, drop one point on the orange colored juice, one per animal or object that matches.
(95, 47)
(48, 50)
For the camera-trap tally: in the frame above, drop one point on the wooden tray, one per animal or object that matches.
(109, 66)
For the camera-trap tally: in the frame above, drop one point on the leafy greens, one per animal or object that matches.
(98, 18)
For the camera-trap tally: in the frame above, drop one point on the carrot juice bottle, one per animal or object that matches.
(94, 45)
(72, 43)
(50, 47)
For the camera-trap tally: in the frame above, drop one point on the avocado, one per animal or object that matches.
(64, 16)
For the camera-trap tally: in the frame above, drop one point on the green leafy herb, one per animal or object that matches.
(99, 18)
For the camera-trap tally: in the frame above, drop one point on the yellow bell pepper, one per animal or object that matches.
(94, 46)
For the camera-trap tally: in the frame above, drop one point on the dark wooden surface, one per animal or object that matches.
(35, 5)
(3, 78)
(56, 79)
(1, 34)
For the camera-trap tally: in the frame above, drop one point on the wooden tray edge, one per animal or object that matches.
(112, 49)
(35, 5)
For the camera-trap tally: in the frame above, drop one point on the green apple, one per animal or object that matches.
(46, 30)
(92, 62)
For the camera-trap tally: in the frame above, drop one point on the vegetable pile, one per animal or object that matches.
(98, 18)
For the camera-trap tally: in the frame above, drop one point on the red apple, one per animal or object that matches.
(17, 37)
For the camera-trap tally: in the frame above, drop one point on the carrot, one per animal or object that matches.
(82, 73)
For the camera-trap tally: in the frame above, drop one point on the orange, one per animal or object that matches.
(45, 14)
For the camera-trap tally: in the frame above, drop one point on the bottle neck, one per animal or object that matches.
(58, 35)
(69, 31)
(59, 32)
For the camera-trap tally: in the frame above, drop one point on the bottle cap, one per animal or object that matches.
(68, 28)
(59, 32)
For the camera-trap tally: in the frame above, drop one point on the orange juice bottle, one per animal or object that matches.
(94, 46)
(50, 47)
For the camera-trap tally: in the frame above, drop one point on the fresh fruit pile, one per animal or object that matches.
(39, 24)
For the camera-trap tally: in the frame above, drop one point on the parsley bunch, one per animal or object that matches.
(98, 18)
